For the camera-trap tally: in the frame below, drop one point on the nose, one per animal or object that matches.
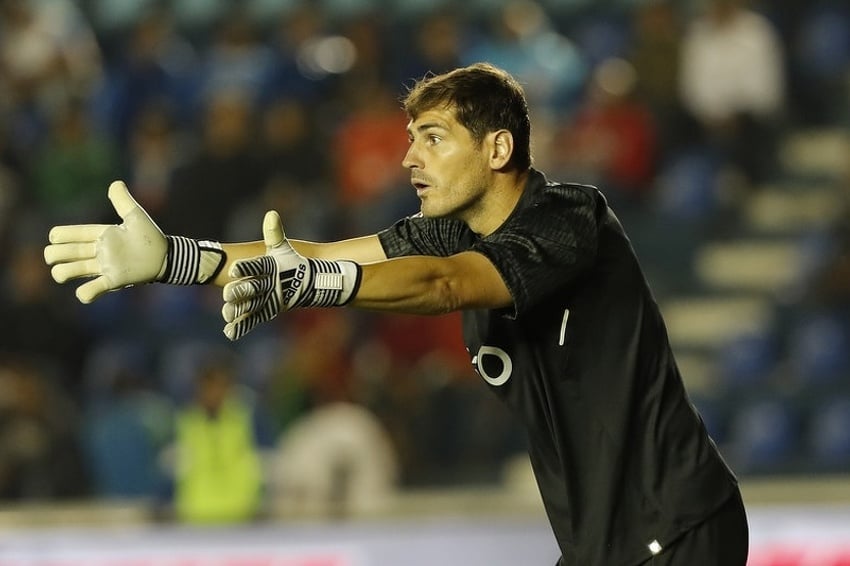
(411, 159)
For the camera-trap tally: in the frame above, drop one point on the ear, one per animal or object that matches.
(501, 148)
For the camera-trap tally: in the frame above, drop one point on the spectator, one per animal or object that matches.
(297, 169)
(817, 40)
(611, 140)
(226, 170)
(732, 81)
(828, 279)
(127, 422)
(152, 66)
(39, 453)
(656, 56)
(29, 308)
(236, 59)
(437, 45)
(522, 40)
(72, 166)
(820, 61)
(319, 365)
(289, 73)
(292, 147)
(368, 34)
(337, 459)
(218, 476)
(48, 53)
(366, 149)
(154, 152)
(13, 195)
(831, 286)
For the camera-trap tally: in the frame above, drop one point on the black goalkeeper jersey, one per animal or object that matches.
(621, 457)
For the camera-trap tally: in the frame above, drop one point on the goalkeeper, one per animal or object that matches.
(557, 316)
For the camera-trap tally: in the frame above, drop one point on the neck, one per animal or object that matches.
(500, 200)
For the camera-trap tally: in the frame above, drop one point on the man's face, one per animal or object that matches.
(448, 169)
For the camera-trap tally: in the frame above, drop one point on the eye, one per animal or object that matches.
(434, 139)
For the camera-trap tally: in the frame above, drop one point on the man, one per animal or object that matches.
(218, 478)
(557, 317)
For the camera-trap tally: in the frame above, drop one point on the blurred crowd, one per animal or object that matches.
(216, 111)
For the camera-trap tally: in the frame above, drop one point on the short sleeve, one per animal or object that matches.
(546, 246)
(418, 235)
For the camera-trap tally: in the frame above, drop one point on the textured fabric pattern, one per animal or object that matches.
(191, 262)
(539, 248)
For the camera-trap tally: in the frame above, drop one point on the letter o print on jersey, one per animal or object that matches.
(507, 365)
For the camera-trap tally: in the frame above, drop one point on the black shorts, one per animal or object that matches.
(721, 540)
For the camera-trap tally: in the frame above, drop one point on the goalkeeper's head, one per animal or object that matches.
(484, 99)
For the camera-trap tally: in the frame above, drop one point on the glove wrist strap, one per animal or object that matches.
(191, 262)
(333, 283)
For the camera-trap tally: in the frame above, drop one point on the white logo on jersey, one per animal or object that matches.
(507, 365)
(564, 327)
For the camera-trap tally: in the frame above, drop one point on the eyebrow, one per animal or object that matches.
(428, 126)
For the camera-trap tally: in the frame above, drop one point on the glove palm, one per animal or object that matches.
(115, 256)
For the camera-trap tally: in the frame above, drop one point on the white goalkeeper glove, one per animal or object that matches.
(282, 280)
(136, 251)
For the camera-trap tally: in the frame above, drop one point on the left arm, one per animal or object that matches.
(115, 256)
(432, 285)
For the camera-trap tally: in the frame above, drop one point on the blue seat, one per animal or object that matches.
(818, 348)
(829, 435)
(764, 436)
(748, 361)
(688, 186)
(818, 59)
(602, 36)
(823, 48)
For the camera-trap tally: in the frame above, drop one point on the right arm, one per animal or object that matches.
(366, 249)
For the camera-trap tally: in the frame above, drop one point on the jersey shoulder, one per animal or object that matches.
(575, 194)
(548, 204)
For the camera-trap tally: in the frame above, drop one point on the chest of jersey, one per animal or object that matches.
(521, 359)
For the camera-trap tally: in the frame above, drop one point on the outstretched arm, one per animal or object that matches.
(284, 279)
(261, 278)
(115, 256)
(432, 285)
(362, 250)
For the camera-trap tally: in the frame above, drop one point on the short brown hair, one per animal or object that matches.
(485, 99)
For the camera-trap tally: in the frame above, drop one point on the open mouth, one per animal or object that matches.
(420, 186)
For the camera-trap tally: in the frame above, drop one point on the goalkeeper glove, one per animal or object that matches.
(282, 280)
(136, 251)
